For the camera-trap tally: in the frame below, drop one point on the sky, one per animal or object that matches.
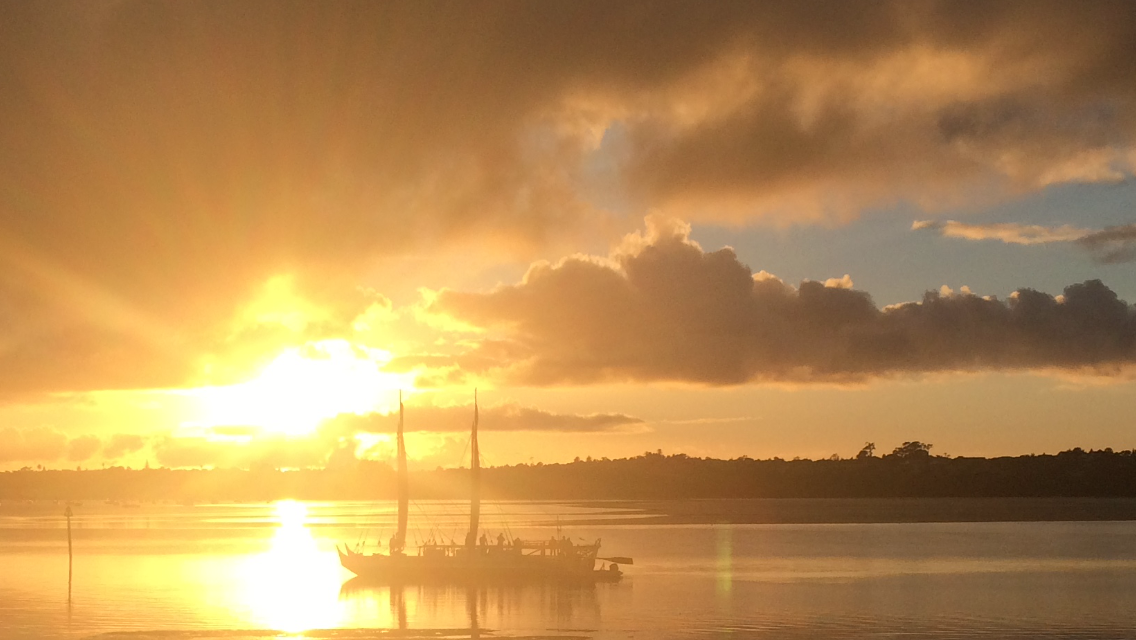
(231, 233)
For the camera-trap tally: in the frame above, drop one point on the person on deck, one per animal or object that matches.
(500, 539)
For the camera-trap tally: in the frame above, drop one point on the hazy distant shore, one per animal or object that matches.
(652, 476)
(877, 510)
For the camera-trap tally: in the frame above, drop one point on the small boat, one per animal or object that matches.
(477, 561)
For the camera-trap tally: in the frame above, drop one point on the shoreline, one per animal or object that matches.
(864, 510)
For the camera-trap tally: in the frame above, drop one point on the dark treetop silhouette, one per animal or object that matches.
(910, 471)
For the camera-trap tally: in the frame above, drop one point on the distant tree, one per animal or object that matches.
(912, 451)
(868, 451)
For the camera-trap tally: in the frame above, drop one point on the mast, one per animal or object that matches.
(474, 481)
(398, 542)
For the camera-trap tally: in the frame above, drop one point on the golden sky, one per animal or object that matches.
(231, 232)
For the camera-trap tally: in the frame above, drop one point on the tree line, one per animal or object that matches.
(909, 471)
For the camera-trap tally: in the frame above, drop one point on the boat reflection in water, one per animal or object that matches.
(478, 561)
(427, 609)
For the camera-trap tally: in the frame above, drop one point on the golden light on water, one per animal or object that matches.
(294, 586)
(724, 562)
(293, 516)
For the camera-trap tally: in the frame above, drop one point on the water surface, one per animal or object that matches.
(261, 570)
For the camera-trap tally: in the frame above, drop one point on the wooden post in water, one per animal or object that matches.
(70, 555)
(474, 482)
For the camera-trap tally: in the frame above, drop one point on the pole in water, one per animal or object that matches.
(70, 556)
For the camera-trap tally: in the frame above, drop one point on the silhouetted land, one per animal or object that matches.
(652, 476)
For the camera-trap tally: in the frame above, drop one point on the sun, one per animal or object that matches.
(305, 385)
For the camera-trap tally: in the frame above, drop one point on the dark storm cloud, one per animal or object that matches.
(662, 309)
(162, 160)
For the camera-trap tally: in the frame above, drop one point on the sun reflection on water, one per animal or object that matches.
(293, 586)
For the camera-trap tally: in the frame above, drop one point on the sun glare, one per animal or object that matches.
(304, 386)
(294, 585)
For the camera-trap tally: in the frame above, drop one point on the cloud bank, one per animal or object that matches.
(164, 160)
(662, 309)
(44, 444)
(1110, 245)
(337, 441)
(1007, 232)
(505, 417)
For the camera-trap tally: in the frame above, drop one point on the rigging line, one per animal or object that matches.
(362, 532)
(465, 450)
(425, 515)
(368, 522)
(369, 525)
(540, 506)
(446, 515)
(504, 518)
(362, 537)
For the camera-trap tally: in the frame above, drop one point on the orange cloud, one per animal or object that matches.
(1108, 246)
(121, 444)
(83, 447)
(267, 451)
(503, 417)
(43, 444)
(35, 444)
(1007, 232)
(163, 161)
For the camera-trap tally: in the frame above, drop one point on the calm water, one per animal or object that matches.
(222, 570)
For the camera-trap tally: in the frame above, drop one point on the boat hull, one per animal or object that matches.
(474, 569)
